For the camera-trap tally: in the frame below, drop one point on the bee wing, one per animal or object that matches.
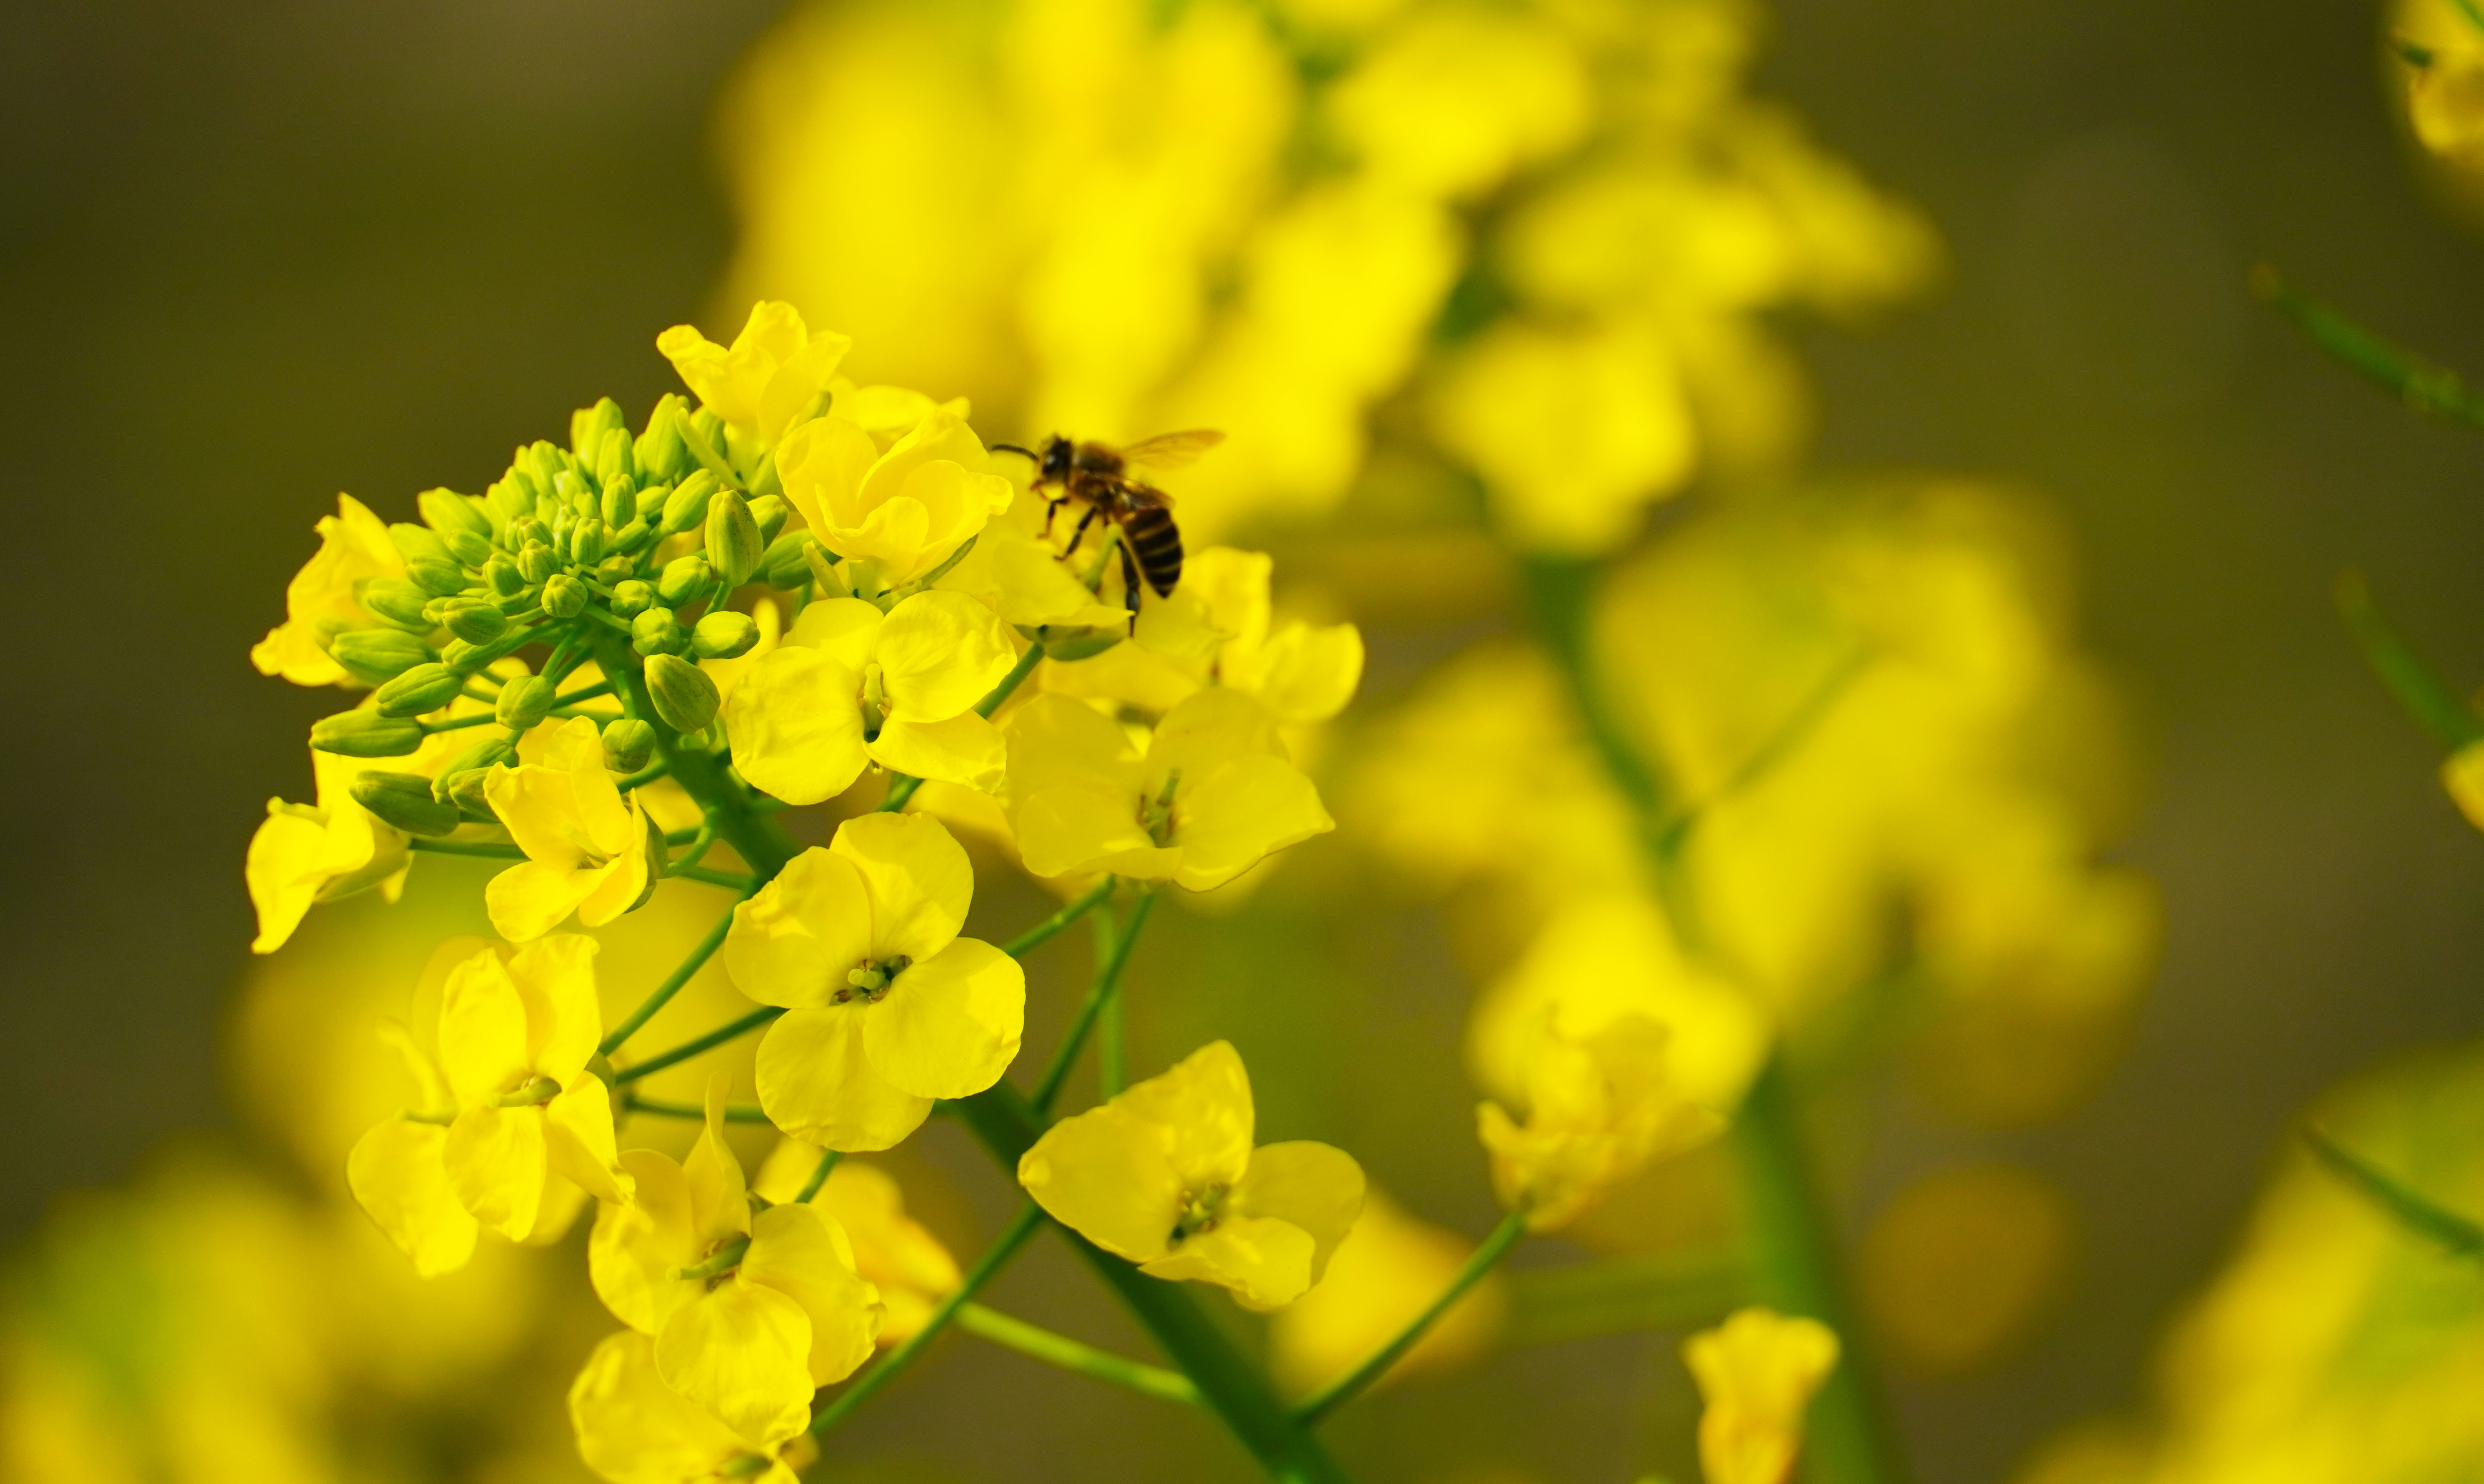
(1172, 451)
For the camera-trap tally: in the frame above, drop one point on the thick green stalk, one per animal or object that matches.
(1108, 980)
(1041, 1344)
(827, 1165)
(687, 1049)
(1112, 1046)
(862, 1386)
(1795, 1269)
(1227, 1382)
(1354, 1382)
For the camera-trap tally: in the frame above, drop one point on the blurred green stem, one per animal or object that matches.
(1042, 1344)
(1100, 994)
(1356, 1381)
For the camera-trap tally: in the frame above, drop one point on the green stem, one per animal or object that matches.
(758, 839)
(1355, 1382)
(902, 786)
(692, 1047)
(861, 1390)
(662, 1108)
(2429, 699)
(1795, 1269)
(490, 849)
(708, 875)
(1111, 1049)
(672, 985)
(1042, 1344)
(2432, 389)
(642, 778)
(1663, 1290)
(1108, 979)
(819, 1176)
(1227, 1382)
(1044, 932)
(456, 724)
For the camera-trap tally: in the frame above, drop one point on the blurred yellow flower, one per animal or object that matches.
(398, 1171)
(2462, 775)
(1963, 1262)
(1384, 1275)
(586, 849)
(892, 1252)
(354, 547)
(1600, 1106)
(1165, 1175)
(634, 1429)
(750, 1314)
(1460, 96)
(2445, 102)
(850, 687)
(1756, 1373)
(886, 1006)
(300, 855)
(893, 514)
(1211, 796)
(775, 367)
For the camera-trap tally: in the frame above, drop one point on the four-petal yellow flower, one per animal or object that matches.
(354, 547)
(1599, 1107)
(886, 1007)
(634, 1429)
(1165, 1175)
(773, 369)
(586, 848)
(305, 854)
(893, 516)
(1756, 1373)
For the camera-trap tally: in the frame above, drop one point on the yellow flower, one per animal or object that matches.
(893, 1252)
(1385, 1274)
(634, 1429)
(1459, 97)
(354, 547)
(2445, 104)
(887, 1008)
(1756, 1372)
(894, 515)
(1574, 432)
(1601, 1106)
(775, 368)
(515, 1037)
(586, 849)
(300, 855)
(2462, 775)
(850, 687)
(399, 1172)
(750, 1314)
(1165, 1175)
(1212, 794)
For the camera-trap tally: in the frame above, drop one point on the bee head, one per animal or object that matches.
(1054, 462)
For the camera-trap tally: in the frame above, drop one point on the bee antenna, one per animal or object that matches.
(1013, 449)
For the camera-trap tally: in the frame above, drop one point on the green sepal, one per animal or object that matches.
(685, 697)
(528, 530)
(1065, 644)
(733, 543)
(661, 452)
(788, 564)
(486, 753)
(464, 792)
(683, 579)
(657, 632)
(538, 562)
(507, 502)
(524, 702)
(724, 635)
(426, 688)
(474, 620)
(587, 542)
(418, 543)
(374, 656)
(564, 596)
(587, 426)
(631, 538)
(616, 467)
(441, 578)
(504, 577)
(614, 569)
(469, 549)
(365, 734)
(628, 744)
(770, 511)
(404, 800)
(687, 506)
(631, 598)
(449, 512)
(394, 602)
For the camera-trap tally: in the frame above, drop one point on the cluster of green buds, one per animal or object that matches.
(618, 542)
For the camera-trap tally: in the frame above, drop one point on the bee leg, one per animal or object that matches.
(1052, 508)
(1131, 583)
(1083, 521)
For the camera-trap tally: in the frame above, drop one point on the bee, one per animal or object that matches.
(1097, 476)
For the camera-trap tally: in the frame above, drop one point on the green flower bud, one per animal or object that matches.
(477, 760)
(683, 579)
(469, 549)
(398, 603)
(660, 449)
(632, 597)
(504, 577)
(588, 424)
(578, 493)
(620, 504)
(687, 506)
(685, 697)
(563, 521)
(525, 531)
(657, 632)
(404, 800)
(733, 544)
(614, 569)
(770, 511)
(377, 655)
(474, 620)
(723, 636)
(786, 565)
(524, 702)
(505, 501)
(564, 596)
(449, 512)
(440, 577)
(545, 462)
(365, 734)
(709, 426)
(464, 791)
(538, 562)
(459, 656)
(629, 538)
(424, 688)
(616, 460)
(587, 542)
(418, 543)
(1065, 644)
(628, 744)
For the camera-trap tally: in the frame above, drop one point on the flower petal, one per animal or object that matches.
(397, 1174)
(1266, 1262)
(1315, 1186)
(555, 979)
(530, 897)
(950, 1025)
(918, 876)
(965, 750)
(1202, 1107)
(795, 1250)
(846, 630)
(482, 1030)
(741, 1352)
(941, 652)
(796, 723)
(496, 1165)
(1249, 808)
(1105, 1174)
(817, 1082)
(634, 1429)
(637, 1243)
(794, 943)
(577, 1138)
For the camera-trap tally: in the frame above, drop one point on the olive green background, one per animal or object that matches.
(256, 254)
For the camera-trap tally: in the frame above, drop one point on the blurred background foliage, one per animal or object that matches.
(259, 255)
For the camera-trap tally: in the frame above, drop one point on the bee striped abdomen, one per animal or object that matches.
(1156, 542)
